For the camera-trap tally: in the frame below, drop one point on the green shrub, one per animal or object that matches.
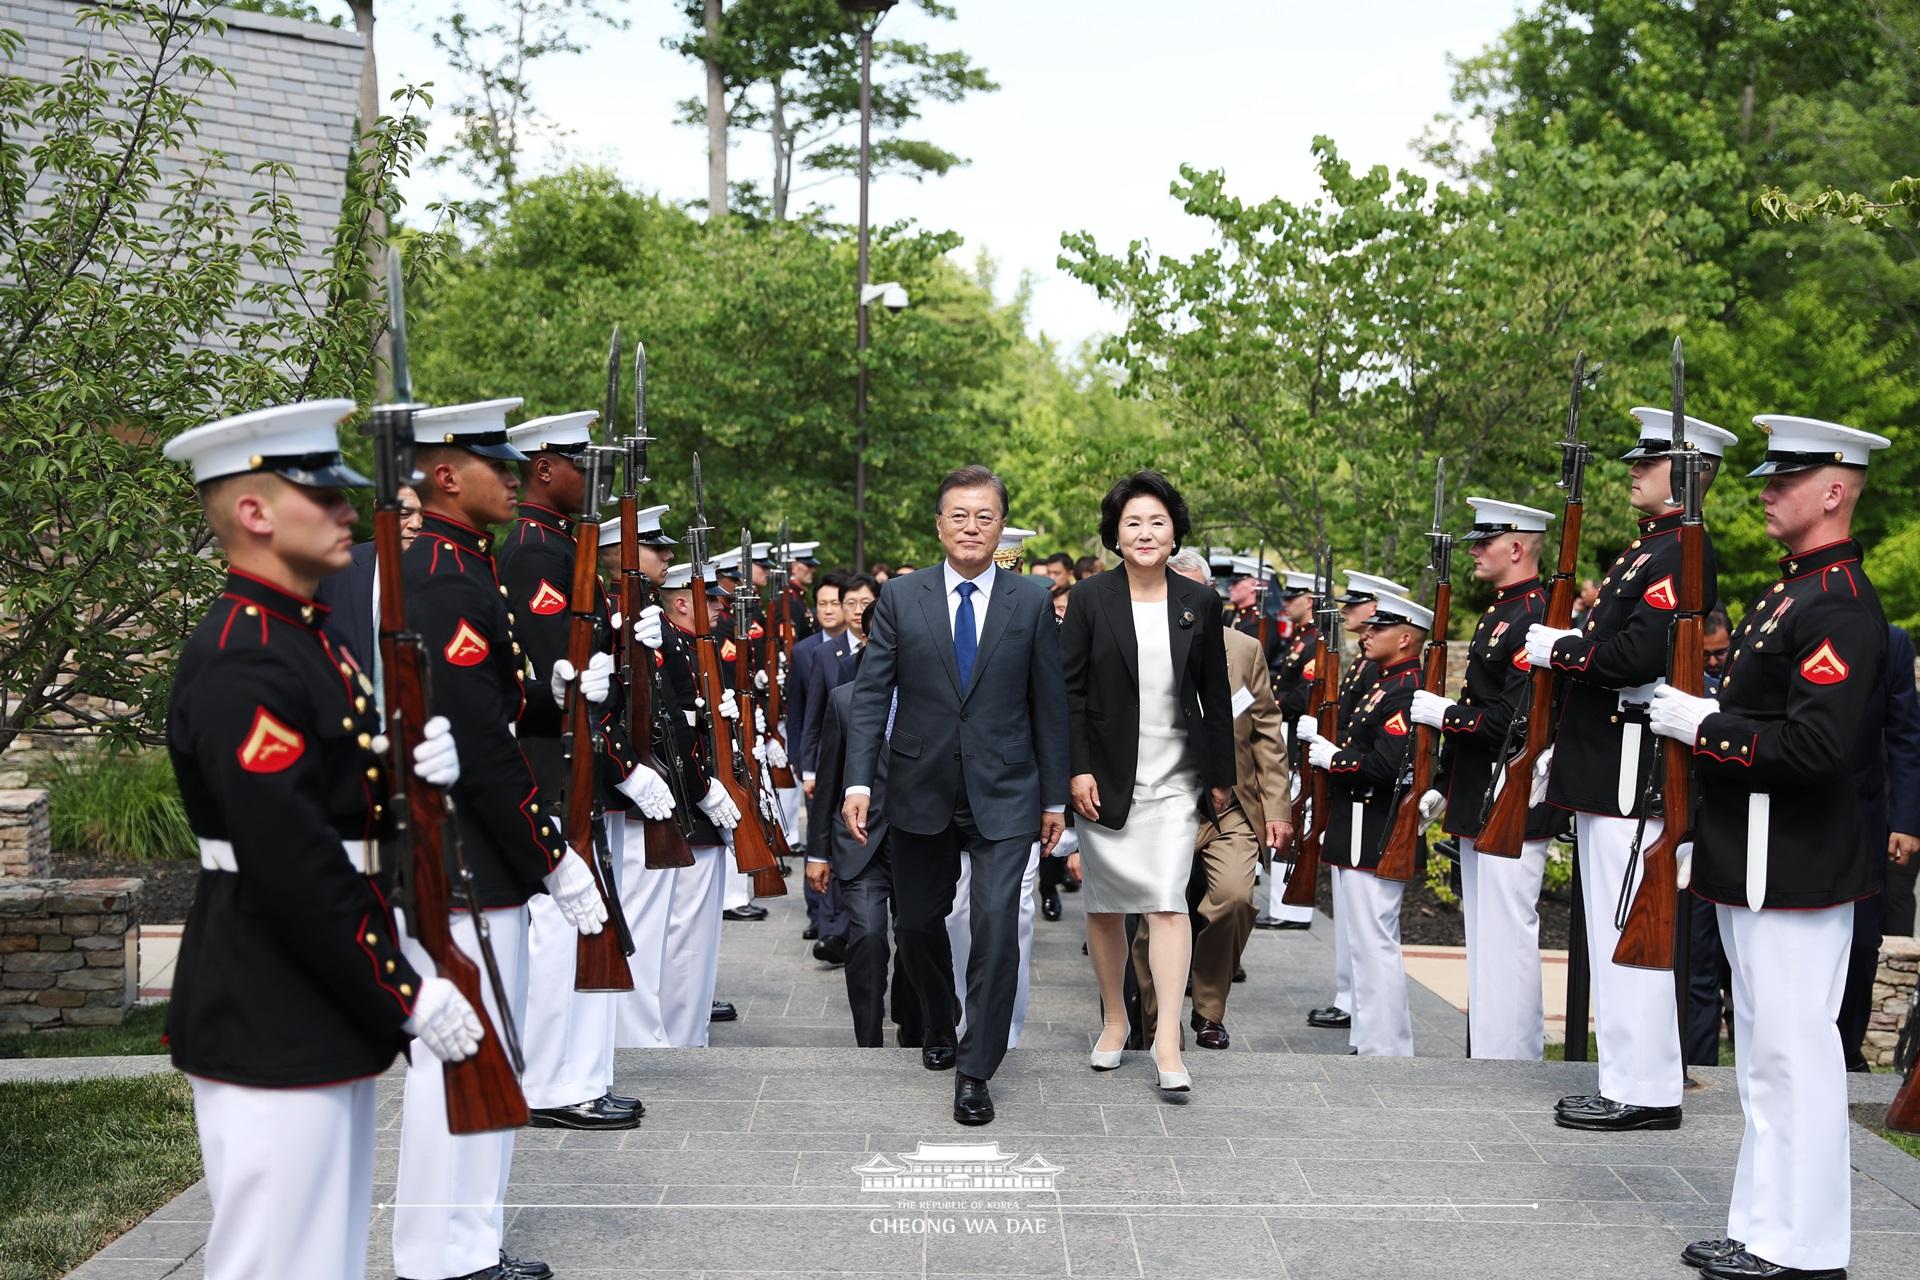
(117, 804)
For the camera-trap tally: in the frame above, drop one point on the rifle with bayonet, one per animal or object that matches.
(1647, 925)
(752, 850)
(483, 1091)
(666, 838)
(1323, 700)
(1503, 810)
(747, 758)
(778, 646)
(600, 959)
(1402, 839)
(1903, 1113)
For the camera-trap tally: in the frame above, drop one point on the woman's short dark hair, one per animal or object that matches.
(1142, 484)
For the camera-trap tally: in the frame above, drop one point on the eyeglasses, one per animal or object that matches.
(971, 519)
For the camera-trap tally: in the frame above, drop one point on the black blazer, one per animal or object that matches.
(827, 833)
(348, 595)
(1101, 660)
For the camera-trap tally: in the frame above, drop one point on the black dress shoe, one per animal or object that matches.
(809, 933)
(1575, 1101)
(908, 1039)
(723, 1011)
(972, 1104)
(584, 1115)
(748, 912)
(1050, 904)
(623, 1102)
(1070, 886)
(1616, 1117)
(1331, 1016)
(1239, 973)
(1746, 1266)
(1283, 924)
(1701, 1252)
(938, 1057)
(1209, 1034)
(524, 1268)
(831, 950)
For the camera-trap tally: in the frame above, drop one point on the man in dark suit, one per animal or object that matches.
(349, 593)
(961, 686)
(800, 672)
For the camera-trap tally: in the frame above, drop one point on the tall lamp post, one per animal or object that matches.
(866, 13)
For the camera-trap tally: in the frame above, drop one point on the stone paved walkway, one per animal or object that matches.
(1288, 1159)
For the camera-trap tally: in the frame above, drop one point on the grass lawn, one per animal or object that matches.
(139, 1034)
(86, 1159)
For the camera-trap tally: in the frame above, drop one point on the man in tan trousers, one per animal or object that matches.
(1226, 852)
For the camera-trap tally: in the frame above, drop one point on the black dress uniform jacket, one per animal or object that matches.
(1293, 680)
(1247, 621)
(1366, 769)
(289, 974)
(456, 603)
(1805, 666)
(1474, 730)
(675, 657)
(799, 613)
(1356, 682)
(1622, 644)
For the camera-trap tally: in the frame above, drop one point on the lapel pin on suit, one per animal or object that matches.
(1186, 619)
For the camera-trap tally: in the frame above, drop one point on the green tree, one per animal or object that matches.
(136, 301)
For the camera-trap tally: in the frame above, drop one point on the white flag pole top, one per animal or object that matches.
(298, 442)
(480, 428)
(1492, 519)
(1800, 444)
(568, 433)
(1362, 587)
(1390, 609)
(1656, 436)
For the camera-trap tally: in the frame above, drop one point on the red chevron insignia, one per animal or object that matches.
(549, 599)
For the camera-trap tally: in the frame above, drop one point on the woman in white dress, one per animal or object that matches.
(1150, 731)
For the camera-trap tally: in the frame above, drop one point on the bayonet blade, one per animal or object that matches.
(397, 327)
(1439, 496)
(1573, 405)
(1675, 472)
(610, 407)
(640, 391)
(745, 580)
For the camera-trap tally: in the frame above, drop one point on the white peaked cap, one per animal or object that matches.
(1492, 518)
(646, 525)
(480, 427)
(1249, 567)
(1799, 444)
(1397, 608)
(801, 550)
(299, 441)
(1656, 435)
(680, 577)
(1299, 582)
(1011, 539)
(1367, 585)
(566, 431)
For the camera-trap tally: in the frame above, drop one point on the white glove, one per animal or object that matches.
(1306, 729)
(769, 752)
(576, 894)
(1432, 805)
(760, 681)
(436, 760)
(615, 620)
(1542, 768)
(444, 1022)
(647, 628)
(1320, 754)
(1540, 642)
(595, 681)
(719, 806)
(1429, 708)
(759, 720)
(1683, 865)
(1678, 715)
(649, 791)
(729, 706)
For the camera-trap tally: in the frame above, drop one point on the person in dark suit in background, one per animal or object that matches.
(1903, 790)
(863, 876)
(834, 666)
(801, 666)
(350, 593)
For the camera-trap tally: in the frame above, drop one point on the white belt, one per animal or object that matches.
(217, 855)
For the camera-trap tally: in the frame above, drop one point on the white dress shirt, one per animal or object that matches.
(985, 584)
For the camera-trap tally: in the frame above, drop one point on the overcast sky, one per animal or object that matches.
(1100, 102)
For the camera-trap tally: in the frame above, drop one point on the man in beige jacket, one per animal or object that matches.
(1226, 852)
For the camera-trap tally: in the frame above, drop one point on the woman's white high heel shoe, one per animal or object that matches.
(1106, 1059)
(1174, 1081)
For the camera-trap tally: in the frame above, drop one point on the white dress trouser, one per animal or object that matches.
(1792, 1200)
(447, 1217)
(1634, 1017)
(736, 888)
(693, 947)
(1382, 1024)
(1342, 954)
(1500, 901)
(960, 939)
(647, 898)
(290, 1173)
(568, 1034)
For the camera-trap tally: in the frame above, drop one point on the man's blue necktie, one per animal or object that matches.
(965, 642)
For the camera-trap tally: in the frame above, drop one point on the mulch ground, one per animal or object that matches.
(165, 896)
(1427, 920)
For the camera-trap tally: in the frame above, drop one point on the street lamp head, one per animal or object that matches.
(892, 295)
(865, 8)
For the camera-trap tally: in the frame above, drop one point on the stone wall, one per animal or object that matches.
(25, 838)
(69, 953)
(1892, 997)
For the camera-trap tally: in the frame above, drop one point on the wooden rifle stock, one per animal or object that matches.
(751, 850)
(666, 844)
(1505, 829)
(1403, 837)
(1310, 829)
(779, 644)
(599, 963)
(483, 1093)
(1903, 1114)
(1647, 937)
(747, 763)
